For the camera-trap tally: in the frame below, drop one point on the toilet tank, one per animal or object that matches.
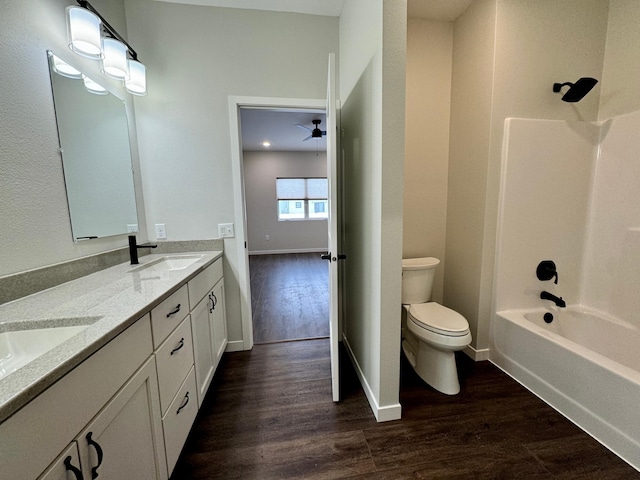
(417, 279)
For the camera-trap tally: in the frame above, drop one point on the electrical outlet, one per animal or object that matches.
(225, 230)
(161, 231)
(267, 237)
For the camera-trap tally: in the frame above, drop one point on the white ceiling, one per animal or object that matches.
(279, 127)
(447, 10)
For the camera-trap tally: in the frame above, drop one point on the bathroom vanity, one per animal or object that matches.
(126, 356)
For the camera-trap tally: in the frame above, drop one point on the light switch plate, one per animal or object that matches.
(225, 230)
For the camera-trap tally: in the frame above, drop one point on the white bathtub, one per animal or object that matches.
(585, 365)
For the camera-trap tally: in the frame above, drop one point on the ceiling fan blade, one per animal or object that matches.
(308, 138)
(302, 126)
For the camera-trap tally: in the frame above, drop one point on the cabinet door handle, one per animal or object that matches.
(180, 345)
(214, 299)
(174, 312)
(184, 404)
(211, 305)
(99, 452)
(76, 471)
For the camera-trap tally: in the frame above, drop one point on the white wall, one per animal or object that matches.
(261, 169)
(429, 63)
(535, 44)
(372, 86)
(36, 229)
(196, 57)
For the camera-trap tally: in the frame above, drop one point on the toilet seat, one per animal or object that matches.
(438, 319)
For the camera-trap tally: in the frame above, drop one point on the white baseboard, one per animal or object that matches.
(290, 250)
(477, 355)
(235, 346)
(382, 414)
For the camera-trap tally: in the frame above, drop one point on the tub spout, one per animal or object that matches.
(550, 296)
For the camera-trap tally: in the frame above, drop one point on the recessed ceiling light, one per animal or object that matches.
(266, 144)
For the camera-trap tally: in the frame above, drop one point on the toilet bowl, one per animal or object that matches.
(431, 333)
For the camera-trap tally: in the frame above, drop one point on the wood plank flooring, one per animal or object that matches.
(289, 297)
(269, 415)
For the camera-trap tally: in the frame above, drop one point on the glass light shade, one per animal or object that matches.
(114, 62)
(63, 68)
(94, 87)
(137, 83)
(84, 30)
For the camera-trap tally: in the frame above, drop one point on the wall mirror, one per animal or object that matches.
(96, 155)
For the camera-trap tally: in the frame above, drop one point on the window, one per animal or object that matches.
(302, 198)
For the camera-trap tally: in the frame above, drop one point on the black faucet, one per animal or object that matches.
(133, 249)
(550, 296)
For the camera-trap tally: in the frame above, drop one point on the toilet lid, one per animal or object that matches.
(439, 319)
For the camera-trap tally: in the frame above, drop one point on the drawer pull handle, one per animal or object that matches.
(75, 470)
(186, 400)
(174, 312)
(96, 445)
(180, 345)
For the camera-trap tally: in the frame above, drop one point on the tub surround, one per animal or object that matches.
(107, 302)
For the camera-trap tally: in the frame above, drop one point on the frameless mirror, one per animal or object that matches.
(96, 155)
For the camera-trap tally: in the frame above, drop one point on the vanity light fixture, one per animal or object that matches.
(137, 82)
(115, 63)
(84, 32)
(119, 60)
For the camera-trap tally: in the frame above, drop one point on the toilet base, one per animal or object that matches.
(436, 367)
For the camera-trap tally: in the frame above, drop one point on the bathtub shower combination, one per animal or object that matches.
(572, 336)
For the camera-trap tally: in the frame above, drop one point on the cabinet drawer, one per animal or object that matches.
(201, 285)
(174, 359)
(168, 315)
(179, 418)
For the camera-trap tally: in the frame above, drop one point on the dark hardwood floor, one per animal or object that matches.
(269, 415)
(289, 297)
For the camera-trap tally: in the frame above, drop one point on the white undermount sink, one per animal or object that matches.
(168, 263)
(20, 346)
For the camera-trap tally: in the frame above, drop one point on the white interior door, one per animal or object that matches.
(332, 176)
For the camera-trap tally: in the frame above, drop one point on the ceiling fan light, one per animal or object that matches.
(137, 82)
(114, 63)
(84, 32)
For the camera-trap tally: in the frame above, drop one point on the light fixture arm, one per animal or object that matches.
(110, 30)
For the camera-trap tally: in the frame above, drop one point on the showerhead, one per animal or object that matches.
(577, 90)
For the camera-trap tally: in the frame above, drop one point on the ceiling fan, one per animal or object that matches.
(315, 132)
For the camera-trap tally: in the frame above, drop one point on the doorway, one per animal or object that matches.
(284, 168)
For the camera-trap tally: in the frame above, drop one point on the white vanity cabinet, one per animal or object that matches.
(125, 440)
(125, 412)
(114, 394)
(65, 467)
(176, 377)
(209, 324)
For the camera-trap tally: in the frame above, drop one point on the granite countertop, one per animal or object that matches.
(108, 302)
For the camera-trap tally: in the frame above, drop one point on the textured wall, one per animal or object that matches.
(36, 230)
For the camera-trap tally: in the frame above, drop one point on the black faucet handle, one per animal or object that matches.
(546, 271)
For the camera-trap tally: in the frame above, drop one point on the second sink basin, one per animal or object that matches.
(19, 346)
(168, 263)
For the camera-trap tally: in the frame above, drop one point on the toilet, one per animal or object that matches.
(431, 333)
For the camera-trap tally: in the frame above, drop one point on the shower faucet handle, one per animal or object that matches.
(546, 271)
